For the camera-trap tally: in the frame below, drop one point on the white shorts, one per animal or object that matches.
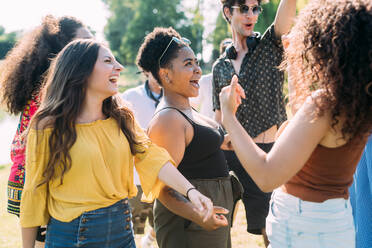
(295, 223)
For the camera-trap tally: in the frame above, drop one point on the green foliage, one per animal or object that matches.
(132, 20)
(220, 32)
(267, 16)
(122, 12)
(194, 31)
(7, 41)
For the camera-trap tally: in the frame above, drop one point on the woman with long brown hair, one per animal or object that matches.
(80, 152)
(21, 77)
(311, 165)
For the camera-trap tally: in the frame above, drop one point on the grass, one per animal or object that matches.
(10, 233)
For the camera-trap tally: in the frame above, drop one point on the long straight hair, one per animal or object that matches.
(62, 99)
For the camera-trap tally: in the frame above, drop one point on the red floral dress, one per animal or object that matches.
(18, 148)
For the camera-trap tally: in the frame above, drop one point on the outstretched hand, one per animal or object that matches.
(231, 97)
(202, 203)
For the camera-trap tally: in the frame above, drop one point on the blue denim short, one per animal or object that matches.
(105, 227)
(293, 223)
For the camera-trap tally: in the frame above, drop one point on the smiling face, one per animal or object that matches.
(183, 76)
(103, 81)
(243, 24)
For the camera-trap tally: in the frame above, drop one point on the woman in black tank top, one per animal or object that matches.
(194, 142)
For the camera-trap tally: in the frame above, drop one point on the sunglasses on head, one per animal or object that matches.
(244, 9)
(183, 40)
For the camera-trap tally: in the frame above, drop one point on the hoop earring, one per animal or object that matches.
(368, 88)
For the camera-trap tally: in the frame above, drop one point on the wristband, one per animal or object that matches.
(187, 192)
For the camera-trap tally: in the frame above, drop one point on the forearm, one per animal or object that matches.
(285, 16)
(250, 155)
(169, 175)
(29, 237)
(179, 205)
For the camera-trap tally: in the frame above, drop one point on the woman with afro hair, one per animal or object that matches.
(194, 141)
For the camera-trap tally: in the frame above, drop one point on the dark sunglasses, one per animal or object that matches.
(244, 9)
(183, 40)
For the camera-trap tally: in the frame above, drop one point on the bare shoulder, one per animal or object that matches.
(168, 120)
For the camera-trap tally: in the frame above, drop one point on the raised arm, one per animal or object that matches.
(290, 151)
(284, 17)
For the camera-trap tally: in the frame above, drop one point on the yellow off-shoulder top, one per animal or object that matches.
(101, 173)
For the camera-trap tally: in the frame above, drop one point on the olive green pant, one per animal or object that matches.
(173, 231)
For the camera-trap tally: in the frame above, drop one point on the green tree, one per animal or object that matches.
(267, 16)
(221, 31)
(7, 41)
(122, 12)
(131, 21)
(194, 29)
(151, 14)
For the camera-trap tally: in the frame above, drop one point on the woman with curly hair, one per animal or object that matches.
(21, 77)
(312, 163)
(81, 148)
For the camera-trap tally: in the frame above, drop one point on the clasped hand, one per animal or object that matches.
(212, 216)
(202, 203)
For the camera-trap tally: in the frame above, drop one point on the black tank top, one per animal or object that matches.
(203, 158)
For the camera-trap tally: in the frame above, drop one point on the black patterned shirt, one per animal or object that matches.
(261, 81)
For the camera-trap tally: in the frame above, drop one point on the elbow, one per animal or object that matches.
(265, 185)
(266, 189)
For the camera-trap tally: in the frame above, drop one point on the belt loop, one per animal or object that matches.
(346, 205)
(299, 206)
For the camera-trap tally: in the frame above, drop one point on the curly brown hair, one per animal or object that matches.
(23, 68)
(63, 96)
(154, 45)
(330, 49)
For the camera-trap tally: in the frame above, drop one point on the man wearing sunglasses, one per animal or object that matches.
(254, 58)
